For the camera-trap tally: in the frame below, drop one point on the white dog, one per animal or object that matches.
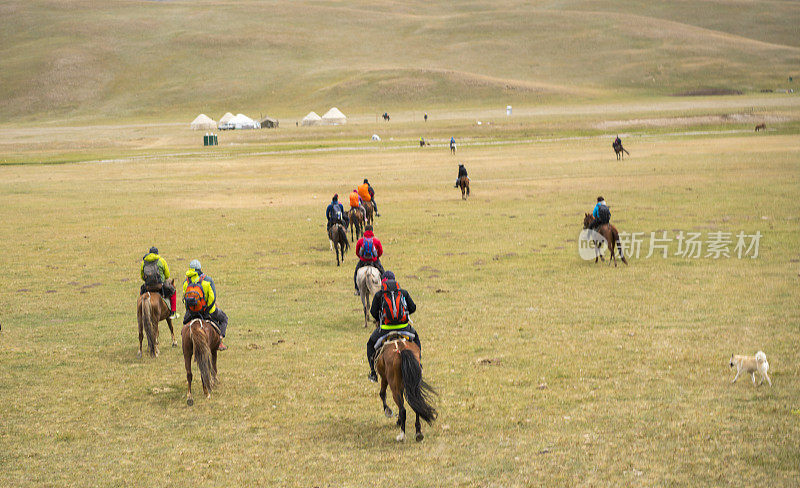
(751, 364)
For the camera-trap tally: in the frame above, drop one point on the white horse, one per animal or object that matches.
(369, 283)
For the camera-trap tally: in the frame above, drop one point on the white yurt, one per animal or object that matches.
(203, 122)
(376, 137)
(225, 118)
(334, 117)
(241, 121)
(311, 119)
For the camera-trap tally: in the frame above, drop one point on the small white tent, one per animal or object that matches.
(311, 119)
(203, 122)
(376, 137)
(225, 118)
(334, 117)
(242, 121)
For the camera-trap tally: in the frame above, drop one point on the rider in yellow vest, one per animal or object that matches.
(155, 279)
(211, 311)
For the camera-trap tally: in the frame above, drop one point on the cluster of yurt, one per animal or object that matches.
(238, 121)
(334, 116)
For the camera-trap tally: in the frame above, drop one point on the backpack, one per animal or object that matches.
(604, 214)
(368, 249)
(152, 275)
(194, 298)
(393, 304)
(337, 213)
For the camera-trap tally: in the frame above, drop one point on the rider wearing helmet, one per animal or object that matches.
(155, 273)
(335, 212)
(601, 214)
(210, 310)
(391, 307)
(369, 251)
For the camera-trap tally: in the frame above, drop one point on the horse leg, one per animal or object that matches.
(386, 410)
(141, 336)
(187, 359)
(401, 415)
(418, 426)
(214, 367)
(611, 249)
(171, 331)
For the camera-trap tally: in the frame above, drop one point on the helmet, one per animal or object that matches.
(388, 275)
(600, 199)
(195, 265)
(335, 196)
(366, 181)
(154, 250)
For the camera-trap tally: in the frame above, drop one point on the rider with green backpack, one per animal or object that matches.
(391, 307)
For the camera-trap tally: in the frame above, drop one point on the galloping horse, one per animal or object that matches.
(398, 364)
(610, 234)
(369, 209)
(150, 310)
(339, 242)
(618, 149)
(202, 338)
(463, 183)
(369, 283)
(356, 223)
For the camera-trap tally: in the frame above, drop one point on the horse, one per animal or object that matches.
(369, 283)
(338, 239)
(356, 217)
(151, 308)
(463, 183)
(610, 234)
(385, 117)
(368, 211)
(452, 148)
(618, 150)
(201, 337)
(761, 126)
(398, 365)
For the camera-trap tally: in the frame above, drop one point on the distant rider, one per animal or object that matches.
(462, 171)
(335, 212)
(201, 301)
(155, 273)
(369, 251)
(390, 307)
(453, 145)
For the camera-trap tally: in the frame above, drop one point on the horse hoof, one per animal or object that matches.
(420, 437)
(189, 402)
(174, 344)
(208, 396)
(401, 437)
(388, 413)
(139, 354)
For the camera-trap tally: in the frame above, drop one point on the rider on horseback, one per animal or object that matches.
(335, 212)
(462, 171)
(155, 273)
(617, 141)
(201, 302)
(391, 308)
(369, 250)
(355, 202)
(367, 194)
(601, 214)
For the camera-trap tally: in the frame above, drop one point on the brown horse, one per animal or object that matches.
(202, 338)
(618, 150)
(761, 126)
(356, 217)
(369, 209)
(399, 366)
(151, 308)
(611, 236)
(463, 183)
(339, 242)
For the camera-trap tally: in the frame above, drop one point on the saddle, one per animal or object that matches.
(207, 319)
(391, 338)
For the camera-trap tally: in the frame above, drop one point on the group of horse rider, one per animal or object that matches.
(335, 213)
(200, 294)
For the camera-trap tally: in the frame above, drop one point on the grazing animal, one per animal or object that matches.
(200, 337)
(463, 183)
(339, 242)
(369, 283)
(150, 310)
(356, 218)
(369, 212)
(618, 150)
(610, 234)
(751, 364)
(399, 367)
(761, 126)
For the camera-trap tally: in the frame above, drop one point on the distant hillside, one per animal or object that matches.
(85, 61)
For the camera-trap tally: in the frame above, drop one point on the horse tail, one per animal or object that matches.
(202, 353)
(615, 236)
(418, 393)
(343, 239)
(147, 319)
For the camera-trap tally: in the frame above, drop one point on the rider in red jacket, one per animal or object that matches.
(369, 251)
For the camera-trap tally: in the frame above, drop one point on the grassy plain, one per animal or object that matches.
(598, 376)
